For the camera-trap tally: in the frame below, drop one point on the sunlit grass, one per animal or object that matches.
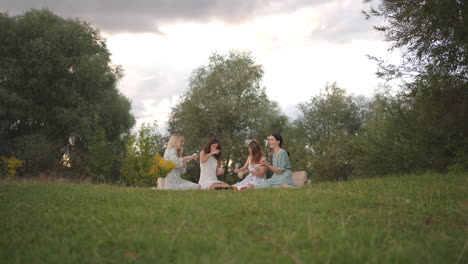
(401, 219)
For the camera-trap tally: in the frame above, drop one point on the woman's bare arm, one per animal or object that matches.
(261, 172)
(204, 157)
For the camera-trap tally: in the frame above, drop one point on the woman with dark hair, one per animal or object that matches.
(281, 166)
(210, 161)
(253, 167)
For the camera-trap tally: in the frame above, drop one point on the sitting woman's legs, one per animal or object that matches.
(219, 184)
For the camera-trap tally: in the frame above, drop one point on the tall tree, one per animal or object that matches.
(225, 99)
(431, 34)
(330, 122)
(385, 142)
(57, 91)
(433, 38)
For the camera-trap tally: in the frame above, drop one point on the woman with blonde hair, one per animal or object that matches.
(173, 152)
(253, 167)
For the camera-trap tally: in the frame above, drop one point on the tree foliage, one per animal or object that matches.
(330, 123)
(431, 35)
(58, 93)
(141, 149)
(433, 38)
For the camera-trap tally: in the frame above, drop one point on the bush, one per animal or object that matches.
(8, 166)
(141, 150)
(161, 167)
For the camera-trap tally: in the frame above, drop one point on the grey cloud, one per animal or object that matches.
(343, 24)
(145, 15)
(157, 88)
(290, 110)
(137, 107)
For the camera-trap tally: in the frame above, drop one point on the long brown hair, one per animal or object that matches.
(257, 152)
(207, 148)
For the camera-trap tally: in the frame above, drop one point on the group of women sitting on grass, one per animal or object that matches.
(255, 167)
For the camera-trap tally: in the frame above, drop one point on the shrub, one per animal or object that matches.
(8, 166)
(161, 167)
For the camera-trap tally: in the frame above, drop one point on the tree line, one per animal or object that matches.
(61, 113)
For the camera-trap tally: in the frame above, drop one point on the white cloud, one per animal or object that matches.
(158, 112)
(296, 66)
(302, 45)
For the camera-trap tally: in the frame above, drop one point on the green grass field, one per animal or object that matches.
(401, 219)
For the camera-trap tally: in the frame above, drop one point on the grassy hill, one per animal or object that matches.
(400, 219)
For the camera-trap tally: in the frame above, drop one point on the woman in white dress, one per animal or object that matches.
(174, 153)
(210, 160)
(253, 167)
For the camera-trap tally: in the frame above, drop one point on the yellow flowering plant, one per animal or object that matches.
(9, 165)
(161, 167)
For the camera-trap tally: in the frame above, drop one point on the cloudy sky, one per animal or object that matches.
(302, 44)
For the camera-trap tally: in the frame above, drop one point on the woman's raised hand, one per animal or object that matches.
(194, 156)
(215, 152)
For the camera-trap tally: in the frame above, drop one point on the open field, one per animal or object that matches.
(400, 219)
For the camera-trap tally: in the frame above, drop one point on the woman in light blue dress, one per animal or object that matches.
(253, 167)
(281, 166)
(174, 153)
